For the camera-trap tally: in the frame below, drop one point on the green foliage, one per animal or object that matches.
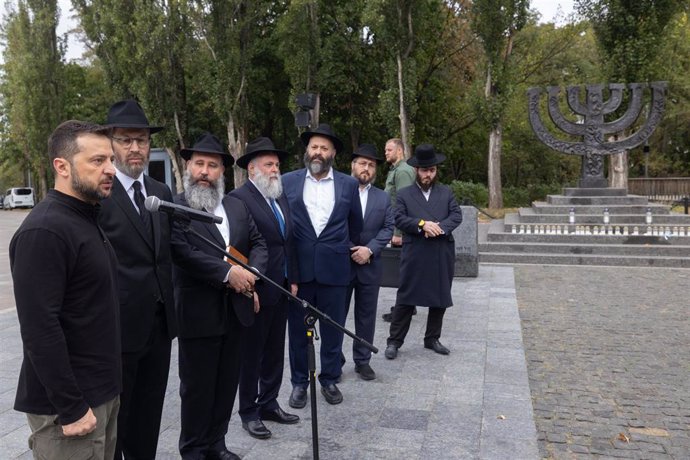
(470, 192)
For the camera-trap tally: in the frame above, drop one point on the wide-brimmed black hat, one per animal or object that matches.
(325, 131)
(129, 114)
(257, 147)
(367, 151)
(208, 143)
(426, 156)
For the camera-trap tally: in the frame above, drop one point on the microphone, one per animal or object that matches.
(177, 211)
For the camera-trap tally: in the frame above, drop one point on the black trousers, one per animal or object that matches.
(402, 316)
(144, 380)
(263, 356)
(209, 376)
(366, 300)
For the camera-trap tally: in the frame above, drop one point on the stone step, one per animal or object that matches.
(587, 239)
(584, 259)
(541, 207)
(576, 191)
(562, 200)
(528, 216)
(658, 250)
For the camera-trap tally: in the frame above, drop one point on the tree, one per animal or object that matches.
(497, 22)
(31, 88)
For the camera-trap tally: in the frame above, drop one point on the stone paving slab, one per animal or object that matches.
(608, 353)
(473, 403)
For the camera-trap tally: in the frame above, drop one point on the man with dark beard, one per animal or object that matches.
(427, 213)
(366, 256)
(327, 216)
(212, 310)
(65, 285)
(264, 346)
(142, 244)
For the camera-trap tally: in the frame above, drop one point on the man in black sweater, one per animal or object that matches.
(65, 287)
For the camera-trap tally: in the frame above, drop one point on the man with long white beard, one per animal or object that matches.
(211, 307)
(263, 355)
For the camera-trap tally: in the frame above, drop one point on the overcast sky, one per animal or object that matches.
(551, 11)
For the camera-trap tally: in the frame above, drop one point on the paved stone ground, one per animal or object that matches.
(608, 353)
(474, 403)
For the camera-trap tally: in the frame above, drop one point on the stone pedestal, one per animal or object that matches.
(466, 246)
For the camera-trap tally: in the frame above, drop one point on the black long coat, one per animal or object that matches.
(426, 264)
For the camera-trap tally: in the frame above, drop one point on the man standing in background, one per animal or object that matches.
(142, 244)
(400, 175)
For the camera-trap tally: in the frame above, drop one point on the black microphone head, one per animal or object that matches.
(152, 203)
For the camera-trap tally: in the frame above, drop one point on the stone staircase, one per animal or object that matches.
(543, 233)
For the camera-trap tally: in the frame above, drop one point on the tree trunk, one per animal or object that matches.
(404, 122)
(618, 170)
(495, 187)
(177, 170)
(42, 180)
(236, 144)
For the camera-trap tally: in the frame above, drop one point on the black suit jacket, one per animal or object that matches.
(144, 263)
(201, 298)
(280, 248)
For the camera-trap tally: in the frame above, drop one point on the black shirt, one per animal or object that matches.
(65, 286)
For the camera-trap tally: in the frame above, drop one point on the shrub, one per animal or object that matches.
(477, 194)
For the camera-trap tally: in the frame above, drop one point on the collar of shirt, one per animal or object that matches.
(127, 182)
(364, 197)
(328, 176)
(223, 227)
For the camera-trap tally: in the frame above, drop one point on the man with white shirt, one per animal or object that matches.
(264, 346)
(213, 300)
(377, 231)
(142, 243)
(427, 213)
(327, 217)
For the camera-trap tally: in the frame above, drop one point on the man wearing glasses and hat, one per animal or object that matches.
(212, 312)
(366, 256)
(327, 217)
(427, 213)
(264, 355)
(142, 243)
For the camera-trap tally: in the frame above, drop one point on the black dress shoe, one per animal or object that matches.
(222, 455)
(280, 416)
(257, 429)
(391, 351)
(332, 394)
(298, 397)
(365, 371)
(437, 347)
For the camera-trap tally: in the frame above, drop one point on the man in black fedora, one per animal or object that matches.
(264, 346)
(327, 217)
(377, 230)
(212, 311)
(427, 213)
(142, 244)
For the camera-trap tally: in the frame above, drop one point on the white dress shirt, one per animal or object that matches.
(364, 197)
(223, 227)
(127, 183)
(319, 199)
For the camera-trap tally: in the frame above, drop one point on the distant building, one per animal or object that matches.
(160, 168)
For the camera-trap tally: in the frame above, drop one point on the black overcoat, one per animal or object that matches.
(426, 264)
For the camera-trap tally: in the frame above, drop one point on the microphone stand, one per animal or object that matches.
(312, 315)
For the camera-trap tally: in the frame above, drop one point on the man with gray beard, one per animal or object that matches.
(263, 355)
(211, 308)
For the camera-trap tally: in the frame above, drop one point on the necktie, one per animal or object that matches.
(143, 212)
(281, 221)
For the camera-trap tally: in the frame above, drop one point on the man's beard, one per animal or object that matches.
(87, 191)
(133, 171)
(270, 188)
(365, 182)
(318, 168)
(426, 187)
(202, 197)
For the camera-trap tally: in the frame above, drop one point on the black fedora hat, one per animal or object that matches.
(257, 147)
(325, 131)
(367, 151)
(426, 156)
(129, 114)
(208, 143)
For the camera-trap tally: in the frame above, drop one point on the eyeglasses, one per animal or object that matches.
(127, 142)
(366, 164)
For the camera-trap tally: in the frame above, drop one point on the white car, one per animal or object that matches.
(18, 197)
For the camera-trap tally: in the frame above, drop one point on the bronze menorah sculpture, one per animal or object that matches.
(594, 130)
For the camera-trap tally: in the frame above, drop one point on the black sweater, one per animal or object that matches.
(65, 286)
